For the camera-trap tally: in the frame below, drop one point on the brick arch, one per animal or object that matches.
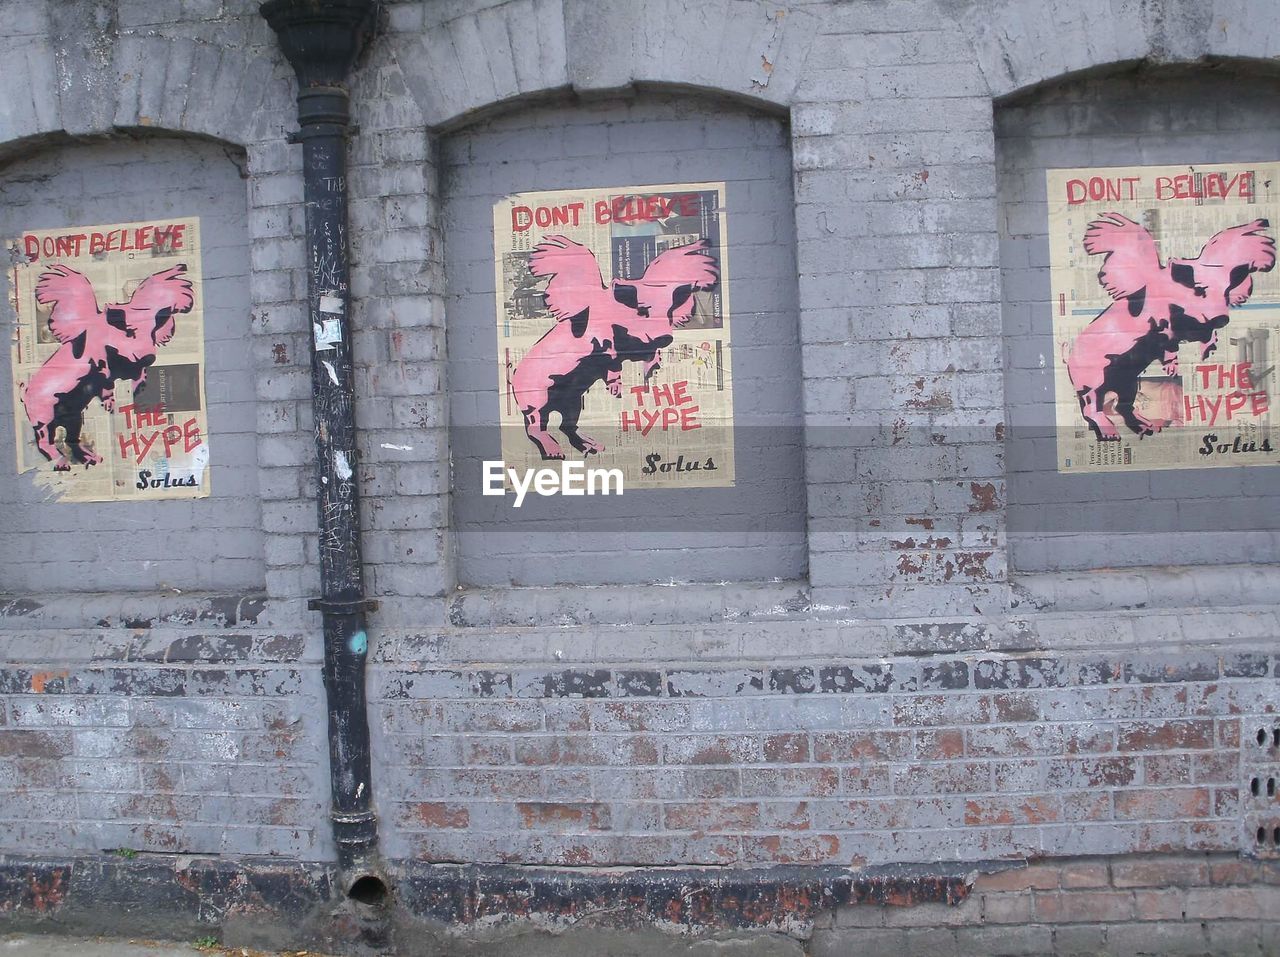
(1023, 43)
(83, 82)
(462, 67)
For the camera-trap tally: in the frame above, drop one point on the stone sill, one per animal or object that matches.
(1162, 610)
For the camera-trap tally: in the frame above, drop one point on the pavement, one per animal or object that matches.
(39, 945)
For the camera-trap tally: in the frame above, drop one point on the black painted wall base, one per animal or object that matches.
(436, 909)
(263, 902)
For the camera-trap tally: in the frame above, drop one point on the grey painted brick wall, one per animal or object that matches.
(737, 752)
(751, 532)
(207, 544)
(201, 735)
(896, 255)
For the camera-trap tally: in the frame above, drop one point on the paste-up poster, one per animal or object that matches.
(613, 332)
(1166, 316)
(108, 361)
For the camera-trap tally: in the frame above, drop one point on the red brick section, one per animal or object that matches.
(436, 814)
(1139, 904)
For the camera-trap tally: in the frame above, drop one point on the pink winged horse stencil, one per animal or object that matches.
(99, 346)
(1156, 308)
(599, 327)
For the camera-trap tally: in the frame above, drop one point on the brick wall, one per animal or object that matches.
(732, 750)
(195, 733)
(1190, 904)
(899, 700)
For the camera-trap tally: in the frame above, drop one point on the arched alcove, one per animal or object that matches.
(184, 543)
(1192, 116)
(752, 531)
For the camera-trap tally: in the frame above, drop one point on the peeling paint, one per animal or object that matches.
(769, 56)
(940, 541)
(985, 497)
(41, 678)
(973, 564)
(46, 894)
(909, 565)
(784, 899)
(928, 395)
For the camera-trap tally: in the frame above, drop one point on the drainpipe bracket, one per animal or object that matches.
(320, 130)
(332, 606)
(358, 823)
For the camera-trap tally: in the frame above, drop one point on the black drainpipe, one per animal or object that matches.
(321, 39)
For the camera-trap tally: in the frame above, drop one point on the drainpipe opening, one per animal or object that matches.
(368, 889)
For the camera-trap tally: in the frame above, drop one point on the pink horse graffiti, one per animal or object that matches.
(99, 347)
(597, 328)
(1156, 308)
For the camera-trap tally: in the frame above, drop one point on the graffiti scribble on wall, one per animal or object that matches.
(1160, 361)
(633, 372)
(100, 416)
